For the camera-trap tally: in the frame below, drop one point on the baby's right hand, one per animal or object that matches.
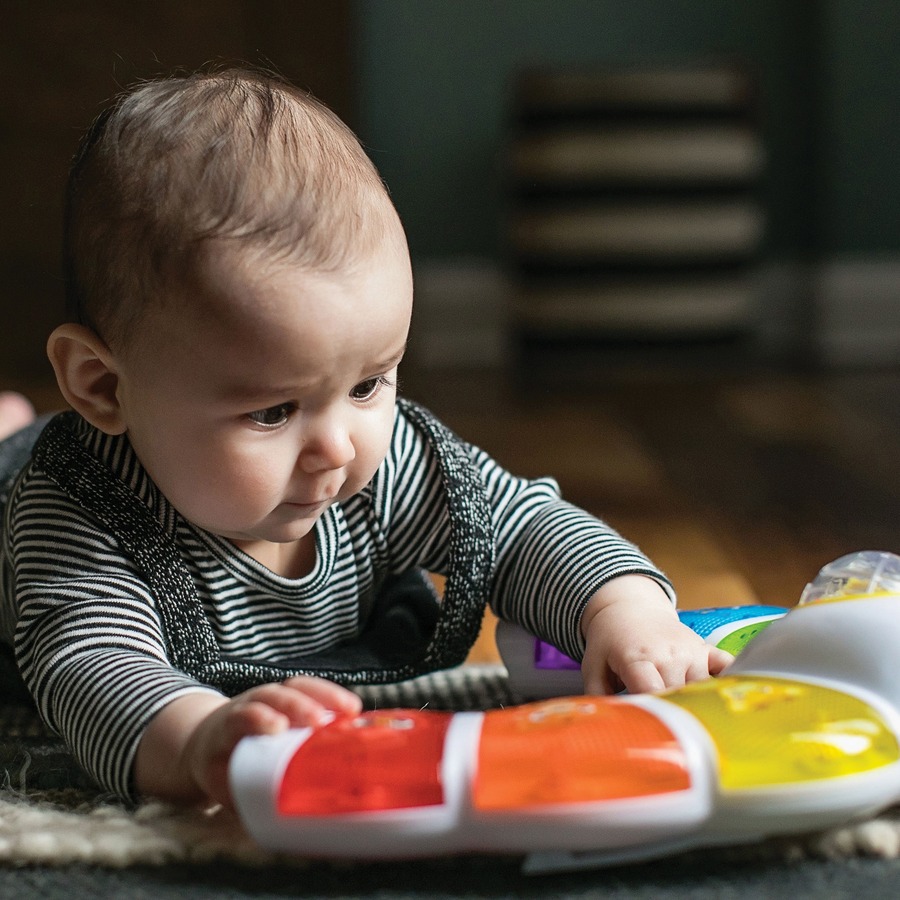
(296, 703)
(186, 748)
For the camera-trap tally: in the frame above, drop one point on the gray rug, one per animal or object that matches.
(51, 814)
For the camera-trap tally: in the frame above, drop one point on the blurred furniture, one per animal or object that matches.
(633, 208)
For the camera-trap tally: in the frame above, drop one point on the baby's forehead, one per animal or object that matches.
(230, 276)
(378, 242)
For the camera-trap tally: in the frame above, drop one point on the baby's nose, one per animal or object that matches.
(327, 445)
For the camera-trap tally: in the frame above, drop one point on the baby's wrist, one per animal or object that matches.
(165, 765)
(629, 590)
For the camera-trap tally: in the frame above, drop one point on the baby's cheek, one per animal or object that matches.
(373, 448)
(230, 492)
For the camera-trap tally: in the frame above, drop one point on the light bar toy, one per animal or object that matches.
(801, 733)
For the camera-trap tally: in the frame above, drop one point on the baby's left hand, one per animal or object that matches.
(634, 640)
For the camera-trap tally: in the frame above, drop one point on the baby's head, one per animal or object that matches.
(235, 161)
(240, 296)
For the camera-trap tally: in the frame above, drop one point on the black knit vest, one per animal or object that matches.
(406, 633)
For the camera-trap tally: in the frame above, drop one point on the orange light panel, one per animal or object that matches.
(575, 750)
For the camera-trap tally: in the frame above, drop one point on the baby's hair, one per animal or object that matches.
(236, 155)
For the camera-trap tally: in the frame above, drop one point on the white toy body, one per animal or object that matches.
(801, 733)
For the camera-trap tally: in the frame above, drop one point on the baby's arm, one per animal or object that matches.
(635, 640)
(184, 752)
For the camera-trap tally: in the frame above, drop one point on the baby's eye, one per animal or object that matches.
(272, 415)
(367, 389)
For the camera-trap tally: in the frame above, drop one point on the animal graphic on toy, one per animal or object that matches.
(802, 732)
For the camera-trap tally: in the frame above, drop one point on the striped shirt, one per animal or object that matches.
(86, 628)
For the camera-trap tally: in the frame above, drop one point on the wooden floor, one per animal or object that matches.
(739, 486)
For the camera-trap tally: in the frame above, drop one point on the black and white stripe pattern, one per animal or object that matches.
(87, 630)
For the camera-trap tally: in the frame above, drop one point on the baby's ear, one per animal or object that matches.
(87, 375)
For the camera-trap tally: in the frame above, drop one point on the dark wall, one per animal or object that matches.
(435, 80)
(427, 85)
(860, 133)
(60, 60)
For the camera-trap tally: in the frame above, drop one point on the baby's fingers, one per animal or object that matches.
(695, 666)
(305, 701)
(641, 677)
(719, 660)
(637, 677)
(330, 695)
(275, 707)
(647, 675)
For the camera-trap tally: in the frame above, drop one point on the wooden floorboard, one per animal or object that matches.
(740, 486)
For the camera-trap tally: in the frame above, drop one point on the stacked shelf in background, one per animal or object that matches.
(634, 208)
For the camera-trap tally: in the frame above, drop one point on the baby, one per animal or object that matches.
(230, 521)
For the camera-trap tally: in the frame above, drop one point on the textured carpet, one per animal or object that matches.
(52, 815)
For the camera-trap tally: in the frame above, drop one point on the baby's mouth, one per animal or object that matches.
(310, 504)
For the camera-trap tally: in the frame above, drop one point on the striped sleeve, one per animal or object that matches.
(551, 556)
(553, 561)
(88, 639)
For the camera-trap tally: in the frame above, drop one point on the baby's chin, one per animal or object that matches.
(276, 535)
(284, 525)
(284, 553)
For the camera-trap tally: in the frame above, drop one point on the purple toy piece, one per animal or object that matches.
(546, 656)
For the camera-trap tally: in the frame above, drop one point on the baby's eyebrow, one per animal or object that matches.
(393, 360)
(245, 392)
(254, 394)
